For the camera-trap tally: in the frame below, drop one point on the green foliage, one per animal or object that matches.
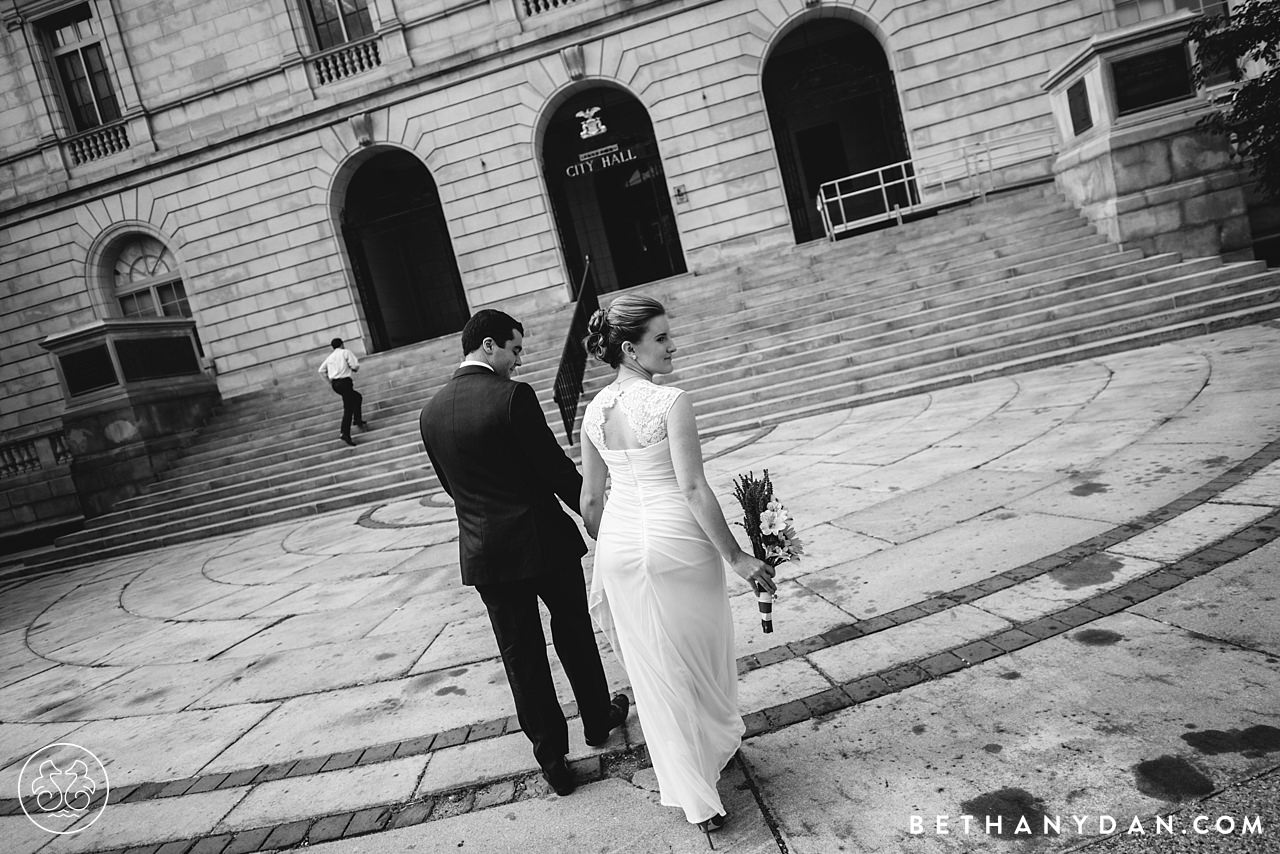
(1249, 40)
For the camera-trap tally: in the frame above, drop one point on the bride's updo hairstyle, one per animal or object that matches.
(626, 319)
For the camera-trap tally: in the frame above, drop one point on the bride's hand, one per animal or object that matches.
(754, 571)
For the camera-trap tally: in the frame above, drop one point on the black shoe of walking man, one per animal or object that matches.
(560, 777)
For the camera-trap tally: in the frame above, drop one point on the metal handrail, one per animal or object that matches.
(573, 359)
(969, 170)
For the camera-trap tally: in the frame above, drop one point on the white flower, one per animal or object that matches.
(770, 523)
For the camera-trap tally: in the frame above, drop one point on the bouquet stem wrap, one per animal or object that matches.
(764, 599)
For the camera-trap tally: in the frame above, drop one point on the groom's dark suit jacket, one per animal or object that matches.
(498, 459)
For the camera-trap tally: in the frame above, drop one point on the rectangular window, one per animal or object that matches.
(336, 22)
(75, 43)
(173, 300)
(1151, 79)
(139, 304)
(1132, 11)
(164, 300)
(1078, 106)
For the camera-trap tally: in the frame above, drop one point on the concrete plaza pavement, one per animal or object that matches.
(1049, 595)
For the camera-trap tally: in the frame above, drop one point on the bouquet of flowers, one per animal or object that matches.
(769, 527)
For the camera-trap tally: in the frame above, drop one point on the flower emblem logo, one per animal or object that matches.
(60, 785)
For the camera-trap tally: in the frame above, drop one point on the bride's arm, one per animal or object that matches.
(686, 456)
(591, 500)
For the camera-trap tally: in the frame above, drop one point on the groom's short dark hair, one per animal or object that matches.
(489, 323)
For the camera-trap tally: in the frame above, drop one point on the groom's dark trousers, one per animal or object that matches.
(495, 455)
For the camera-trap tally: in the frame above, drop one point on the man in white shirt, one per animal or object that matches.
(338, 368)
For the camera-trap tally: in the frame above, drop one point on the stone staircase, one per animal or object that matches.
(1012, 283)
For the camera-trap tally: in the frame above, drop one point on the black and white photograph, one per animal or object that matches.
(640, 426)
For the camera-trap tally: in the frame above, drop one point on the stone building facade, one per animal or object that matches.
(285, 171)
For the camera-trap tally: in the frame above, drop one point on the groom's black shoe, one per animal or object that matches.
(560, 777)
(617, 714)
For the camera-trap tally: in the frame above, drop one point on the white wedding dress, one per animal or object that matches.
(658, 593)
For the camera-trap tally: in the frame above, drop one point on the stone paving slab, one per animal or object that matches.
(321, 667)
(145, 691)
(346, 566)
(164, 591)
(238, 602)
(460, 642)
(921, 469)
(336, 534)
(830, 545)
(480, 762)
(1194, 529)
(1238, 603)
(35, 695)
(798, 613)
(179, 642)
(1022, 729)
(779, 683)
(347, 718)
(612, 815)
(158, 747)
(1262, 488)
(281, 801)
(923, 637)
(129, 825)
(1240, 417)
(1064, 586)
(961, 554)
(17, 661)
(1075, 444)
(1148, 473)
(20, 740)
(21, 836)
(257, 566)
(949, 501)
(302, 631)
(430, 612)
(316, 598)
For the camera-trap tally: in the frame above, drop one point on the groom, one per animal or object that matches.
(496, 456)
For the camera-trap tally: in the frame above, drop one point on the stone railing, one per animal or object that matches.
(346, 61)
(98, 143)
(41, 451)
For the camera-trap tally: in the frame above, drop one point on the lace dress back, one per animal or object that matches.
(629, 417)
(658, 593)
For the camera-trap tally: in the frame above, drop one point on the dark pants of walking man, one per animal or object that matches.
(513, 613)
(351, 400)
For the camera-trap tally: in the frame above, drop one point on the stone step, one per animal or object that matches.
(678, 292)
(730, 409)
(358, 492)
(794, 379)
(1012, 280)
(730, 360)
(276, 432)
(1085, 253)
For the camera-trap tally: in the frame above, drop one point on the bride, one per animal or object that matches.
(658, 590)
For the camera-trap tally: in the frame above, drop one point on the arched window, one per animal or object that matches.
(147, 280)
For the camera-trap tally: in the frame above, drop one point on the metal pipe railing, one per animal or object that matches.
(970, 170)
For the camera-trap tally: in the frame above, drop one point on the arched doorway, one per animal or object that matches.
(405, 270)
(833, 107)
(608, 191)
